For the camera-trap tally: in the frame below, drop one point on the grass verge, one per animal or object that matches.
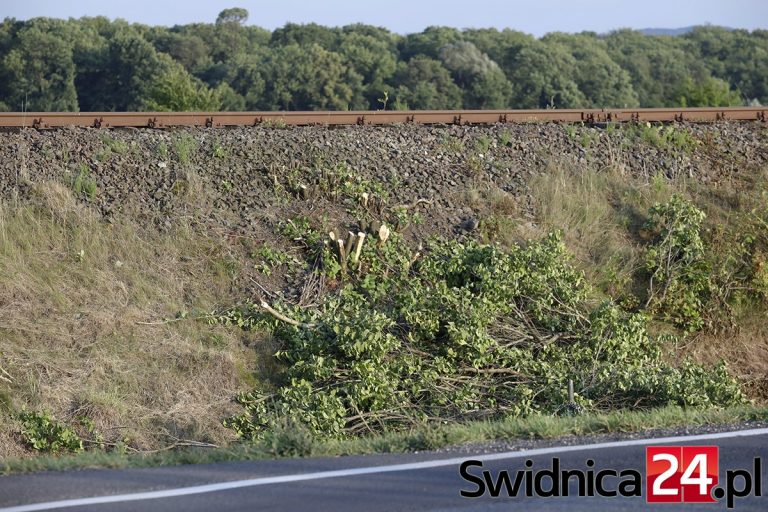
(295, 442)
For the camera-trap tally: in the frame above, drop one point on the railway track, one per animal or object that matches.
(47, 120)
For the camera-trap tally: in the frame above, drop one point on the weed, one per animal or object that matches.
(498, 229)
(83, 183)
(218, 151)
(505, 138)
(668, 138)
(483, 144)
(475, 163)
(299, 229)
(402, 217)
(115, 146)
(506, 428)
(452, 144)
(119, 370)
(277, 124)
(589, 138)
(162, 150)
(184, 146)
(341, 182)
(679, 273)
(271, 258)
(384, 99)
(570, 130)
(44, 433)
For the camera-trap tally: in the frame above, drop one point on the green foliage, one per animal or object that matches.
(114, 145)
(588, 138)
(177, 91)
(310, 77)
(669, 138)
(184, 146)
(300, 230)
(236, 15)
(679, 273)
(37, 71)
(466, 332)
(83, 183)
(712, 92)
(93, 64)
(44, 433)
(270, 259)
(162, 150)
(218, 151)
(483, 144)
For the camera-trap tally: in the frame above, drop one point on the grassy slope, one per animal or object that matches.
(83, 303)
(82, 326)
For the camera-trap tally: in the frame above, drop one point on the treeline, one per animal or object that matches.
(94, 64)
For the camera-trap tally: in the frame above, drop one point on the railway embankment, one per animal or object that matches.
(134, 264)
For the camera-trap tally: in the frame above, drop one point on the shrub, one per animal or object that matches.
(44, 433)
(679, 273)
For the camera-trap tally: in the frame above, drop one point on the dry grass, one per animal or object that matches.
(76, 295)
(745, 349)
(600, 214)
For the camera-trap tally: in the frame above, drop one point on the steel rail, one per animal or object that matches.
(45, 120)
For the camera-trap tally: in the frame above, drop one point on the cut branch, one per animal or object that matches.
(284, 318)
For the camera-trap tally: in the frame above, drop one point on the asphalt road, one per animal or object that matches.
(389, 482)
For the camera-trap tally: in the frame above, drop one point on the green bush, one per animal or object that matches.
(679, 273)
(466, 332)
(44, 433)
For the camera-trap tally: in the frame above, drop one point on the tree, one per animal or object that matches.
(429, 42)
(305, 35)
(176, 91)
(123, 71)
(483, 82)
(657, 65)
(246, 76)
(426, 84)
(236, 15)
(188, 49)
(736, 56)
(602, 82)
(38, 72)
(496, 44)
(711, 92)
(309, 78)
(371, 58)
(543, 75)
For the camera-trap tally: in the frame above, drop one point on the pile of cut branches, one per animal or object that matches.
(467, 331)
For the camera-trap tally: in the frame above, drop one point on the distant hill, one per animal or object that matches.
(671, 31)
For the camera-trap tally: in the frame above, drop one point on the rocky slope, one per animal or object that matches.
(242, 172)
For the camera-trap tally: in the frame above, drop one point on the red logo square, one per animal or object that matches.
(676, 474)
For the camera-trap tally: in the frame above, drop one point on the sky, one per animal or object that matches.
(405, 16)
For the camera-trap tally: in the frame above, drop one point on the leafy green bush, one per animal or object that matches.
(44, 433)
(679, 273)
(466, 332)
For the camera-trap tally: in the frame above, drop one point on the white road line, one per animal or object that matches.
(237, 484)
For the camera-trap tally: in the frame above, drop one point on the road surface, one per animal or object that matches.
(387, 482)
